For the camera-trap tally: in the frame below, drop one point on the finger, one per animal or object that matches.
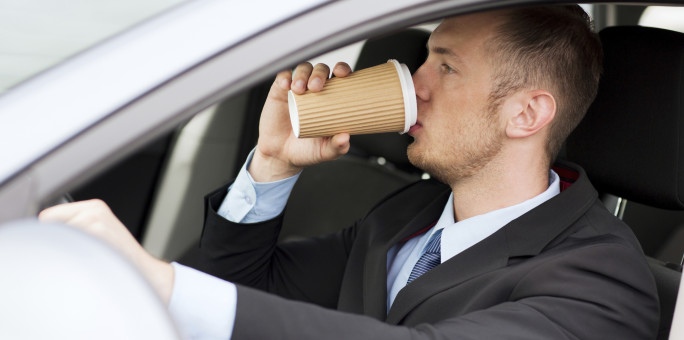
(67, 211)
(301, 77)
(341, 143)
(337, 146)
(320, 74)
(283, 80)
(341, 69)
(86, 221)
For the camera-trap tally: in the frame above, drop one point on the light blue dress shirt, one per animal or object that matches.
(204, 307)
(250, 202)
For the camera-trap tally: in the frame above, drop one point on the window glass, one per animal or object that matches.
(589, 8)
(666, 17)
(37, 34)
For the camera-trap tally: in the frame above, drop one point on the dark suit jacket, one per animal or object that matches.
(567, 269)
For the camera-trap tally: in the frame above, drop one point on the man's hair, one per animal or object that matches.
(552, 47)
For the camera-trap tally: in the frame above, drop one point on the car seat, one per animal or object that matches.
(630, 142)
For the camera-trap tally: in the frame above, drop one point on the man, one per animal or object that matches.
(499, 253)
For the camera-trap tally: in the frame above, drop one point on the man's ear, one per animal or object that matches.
(529, 112)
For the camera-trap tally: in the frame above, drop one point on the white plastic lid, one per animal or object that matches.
(410, 106)
(294, 113)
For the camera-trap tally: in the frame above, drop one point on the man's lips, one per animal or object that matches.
(414, 128)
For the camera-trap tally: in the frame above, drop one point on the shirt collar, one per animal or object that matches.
(459, 236)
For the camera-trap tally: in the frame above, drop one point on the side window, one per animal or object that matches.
(38, 34)
(663, 17)
(348, 54)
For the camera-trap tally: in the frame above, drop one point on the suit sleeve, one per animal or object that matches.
(574, 296)
(248, 254)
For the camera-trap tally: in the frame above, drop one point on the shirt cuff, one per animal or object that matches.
(250, 202)
(202, 306)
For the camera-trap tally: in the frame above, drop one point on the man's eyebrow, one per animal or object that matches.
(446, 52)
(443, 50)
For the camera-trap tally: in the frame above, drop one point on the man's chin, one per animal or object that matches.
(416, 156)
(421, 159)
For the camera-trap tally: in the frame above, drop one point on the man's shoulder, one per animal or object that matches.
(598, 225)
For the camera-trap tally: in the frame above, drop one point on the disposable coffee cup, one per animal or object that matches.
(373, 100)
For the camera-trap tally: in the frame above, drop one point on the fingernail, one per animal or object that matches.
(284, 83)
(317, 83)
(300, 85)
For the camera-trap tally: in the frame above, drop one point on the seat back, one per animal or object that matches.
(631, 140)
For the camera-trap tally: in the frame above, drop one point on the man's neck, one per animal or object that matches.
(493, 188)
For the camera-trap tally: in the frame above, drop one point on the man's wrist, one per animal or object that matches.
(270, 169)
(160, 276)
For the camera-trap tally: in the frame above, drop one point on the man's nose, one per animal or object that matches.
(420, 84)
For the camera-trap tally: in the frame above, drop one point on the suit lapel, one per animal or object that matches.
(489, 254)
(375, 267)
(527, 235)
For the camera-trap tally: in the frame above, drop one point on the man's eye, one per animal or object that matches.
(446, 69)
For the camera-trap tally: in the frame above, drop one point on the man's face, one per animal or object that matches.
(457, 133)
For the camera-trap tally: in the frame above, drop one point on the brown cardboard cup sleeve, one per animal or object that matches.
(373, 100)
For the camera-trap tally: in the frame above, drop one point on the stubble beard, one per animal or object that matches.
(461, 157)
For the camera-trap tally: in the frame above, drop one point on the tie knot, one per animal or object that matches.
(430, 259)
(435, 244)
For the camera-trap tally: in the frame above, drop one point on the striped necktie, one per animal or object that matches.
(430, 259)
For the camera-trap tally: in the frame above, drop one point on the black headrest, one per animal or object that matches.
(631, 142)
(408, 47)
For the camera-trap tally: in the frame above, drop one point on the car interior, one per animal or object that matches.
(629, 144)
